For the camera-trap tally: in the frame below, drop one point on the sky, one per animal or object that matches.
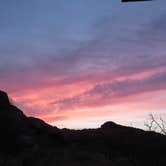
(79, 63)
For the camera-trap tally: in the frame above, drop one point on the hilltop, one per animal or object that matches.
(28, 141)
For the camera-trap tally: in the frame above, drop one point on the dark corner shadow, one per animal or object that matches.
(135, 0)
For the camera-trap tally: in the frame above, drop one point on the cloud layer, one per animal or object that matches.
(60, 56)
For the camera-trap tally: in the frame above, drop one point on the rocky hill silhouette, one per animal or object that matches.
(28, 141)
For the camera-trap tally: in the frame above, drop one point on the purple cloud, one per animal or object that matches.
(105, 94)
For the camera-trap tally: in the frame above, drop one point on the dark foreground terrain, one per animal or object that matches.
(27, 141)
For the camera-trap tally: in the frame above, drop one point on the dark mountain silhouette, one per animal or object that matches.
(28, 141)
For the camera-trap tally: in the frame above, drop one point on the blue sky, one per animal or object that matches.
(78, 53)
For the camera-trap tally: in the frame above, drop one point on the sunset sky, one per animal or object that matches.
(79, 63)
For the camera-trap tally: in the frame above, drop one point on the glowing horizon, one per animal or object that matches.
(78, 64)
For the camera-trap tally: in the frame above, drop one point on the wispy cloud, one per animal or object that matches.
(80, 53)
(108, 93)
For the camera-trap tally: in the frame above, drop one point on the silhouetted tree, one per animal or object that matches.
(156, 124)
